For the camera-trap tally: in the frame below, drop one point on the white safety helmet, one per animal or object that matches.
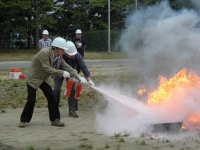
(60, 43)
(78, 31)
(71, 48)
(45, 32)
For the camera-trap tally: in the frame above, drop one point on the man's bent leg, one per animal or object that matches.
(54, 112)
(29, 106)
(72, 102)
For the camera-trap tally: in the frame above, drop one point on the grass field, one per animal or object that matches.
(14, 92)
(27, 55)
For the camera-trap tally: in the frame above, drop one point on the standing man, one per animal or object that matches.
(80, 44)
(45, 41)
(73, 59)
(38, 76)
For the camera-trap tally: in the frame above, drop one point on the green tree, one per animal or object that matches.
(19, 18)
(98, 13)
(44, 12)
(179, 4)
(89, 15)
(148, 2)
(42, 17)
(27, 18)
(71, 15)
(12, 20)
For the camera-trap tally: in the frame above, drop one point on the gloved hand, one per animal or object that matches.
(66, 74)
(90, 83)
(83, 80)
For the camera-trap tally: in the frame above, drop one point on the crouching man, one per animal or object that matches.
(38, 76)
(74, 59)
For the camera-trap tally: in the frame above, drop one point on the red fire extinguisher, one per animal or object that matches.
(78, 91)
(68, 87)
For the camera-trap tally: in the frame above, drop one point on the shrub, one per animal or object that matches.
(97, 40)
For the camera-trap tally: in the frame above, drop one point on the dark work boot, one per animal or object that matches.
(22, 124)
(73, 114)
(57, 122)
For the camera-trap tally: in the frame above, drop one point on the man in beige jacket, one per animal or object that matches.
(38, 76)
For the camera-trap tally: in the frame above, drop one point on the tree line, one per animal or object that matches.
(25, 19)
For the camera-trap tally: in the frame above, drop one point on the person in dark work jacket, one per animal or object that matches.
(72, 58)
(80, 44)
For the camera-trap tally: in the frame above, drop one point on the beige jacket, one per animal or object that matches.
(41, 68)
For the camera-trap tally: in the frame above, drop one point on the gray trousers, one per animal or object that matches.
(72, 102)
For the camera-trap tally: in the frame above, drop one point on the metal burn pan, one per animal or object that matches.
(167, 127)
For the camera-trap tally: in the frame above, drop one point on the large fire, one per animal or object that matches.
(180, 83)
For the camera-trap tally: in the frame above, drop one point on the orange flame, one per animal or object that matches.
(178, 82)
(140, 92)
(183, 128)
(193, 122)
(194, 119)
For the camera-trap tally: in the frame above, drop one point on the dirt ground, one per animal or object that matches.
(80, 133)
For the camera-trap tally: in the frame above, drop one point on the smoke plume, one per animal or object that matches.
(164, 41)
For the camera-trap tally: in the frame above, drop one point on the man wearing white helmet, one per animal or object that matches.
(80, 44)
(73, 59)
(45, 41)
(38, 76)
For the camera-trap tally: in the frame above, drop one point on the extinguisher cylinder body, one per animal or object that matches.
(68, 87)
(78, 91)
